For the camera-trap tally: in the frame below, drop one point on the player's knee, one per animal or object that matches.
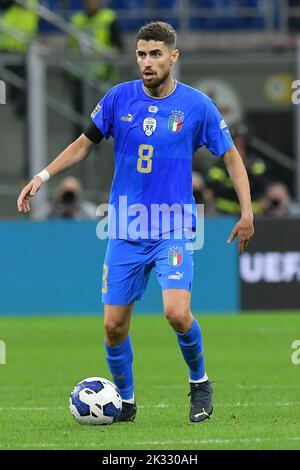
(115, 332)
(178, 318)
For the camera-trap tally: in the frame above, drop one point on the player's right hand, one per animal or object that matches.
(29, 191)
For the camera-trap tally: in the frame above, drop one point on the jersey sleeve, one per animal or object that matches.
(103, 114)
(214, 132)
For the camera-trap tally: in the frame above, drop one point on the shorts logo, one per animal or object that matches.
(175, 121)
(177, 276)
(149, 126)
(175, 256)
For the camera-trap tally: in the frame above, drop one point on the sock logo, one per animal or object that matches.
(199, 355)
(119, 377)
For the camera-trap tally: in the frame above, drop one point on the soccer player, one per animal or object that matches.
(157, 124)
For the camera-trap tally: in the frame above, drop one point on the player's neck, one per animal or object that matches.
(164, 89)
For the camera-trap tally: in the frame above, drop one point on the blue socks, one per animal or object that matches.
(191, 347)
(119, 359)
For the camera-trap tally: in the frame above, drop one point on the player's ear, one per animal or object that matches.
(136, 54)
(174, 56)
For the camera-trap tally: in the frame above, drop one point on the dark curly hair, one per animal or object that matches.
(158, 31)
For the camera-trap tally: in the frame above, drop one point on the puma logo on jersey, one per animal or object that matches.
(127, 118)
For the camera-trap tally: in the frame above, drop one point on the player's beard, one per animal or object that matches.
(156, 82)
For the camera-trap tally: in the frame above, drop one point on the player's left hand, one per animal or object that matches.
(244, 230)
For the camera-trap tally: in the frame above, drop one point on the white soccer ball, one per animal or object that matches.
(95, 401)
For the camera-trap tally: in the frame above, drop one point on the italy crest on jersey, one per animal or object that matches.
(175, 121)
(175, 256)
(149, 126)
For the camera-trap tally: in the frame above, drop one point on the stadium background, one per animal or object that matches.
(246, 55)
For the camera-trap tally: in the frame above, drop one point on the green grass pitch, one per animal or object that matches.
(256, 389)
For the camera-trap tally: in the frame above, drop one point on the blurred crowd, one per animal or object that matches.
(67, 203)
(211, 184)
(93, 18)
(213, 187)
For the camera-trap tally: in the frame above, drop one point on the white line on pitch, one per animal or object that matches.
(142, 443)
(217, 441)
(159, 405)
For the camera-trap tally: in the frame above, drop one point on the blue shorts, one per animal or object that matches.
(128, 264)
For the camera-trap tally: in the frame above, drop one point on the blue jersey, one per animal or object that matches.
(154, 143)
